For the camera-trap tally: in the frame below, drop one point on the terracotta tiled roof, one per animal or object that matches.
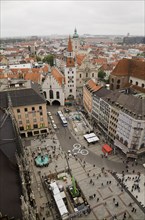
(45, 68)
(79, 58)
(100, 61)
(11, 76)
(69, 45)
(92, 85)
(57, 75)
(130, 67)
(35, 77)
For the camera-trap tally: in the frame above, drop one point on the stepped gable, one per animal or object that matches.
(57, 75)
(130, 67)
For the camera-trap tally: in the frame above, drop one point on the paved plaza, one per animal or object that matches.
(98, 186)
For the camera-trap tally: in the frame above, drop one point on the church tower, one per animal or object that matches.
(70, 73)
(76, 42)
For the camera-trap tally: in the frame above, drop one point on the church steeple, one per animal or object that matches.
(69, 58)
(69, 45)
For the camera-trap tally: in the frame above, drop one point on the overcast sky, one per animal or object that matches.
(27, 18)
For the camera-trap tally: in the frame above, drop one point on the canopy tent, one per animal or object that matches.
(106, 148)
(91, 138)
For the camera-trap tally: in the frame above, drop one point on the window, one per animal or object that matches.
(19, 116)
(92, 74)
(68, 72)
(80, 75)
(136, 83)
(70, 90)
(34, 120)
(26, 115)
(86, 74)
(21, 128)
(118, 81)
(25, 109)
(57, 95)
(41, 119)
(35, 126)
(20, 122)
(33, 108)
(112, 80)
(40, 107)
(142, 85)
(51, 94)
(27, 121)
(41, 113)
(130, 81)
(34, 114)
(18, 110)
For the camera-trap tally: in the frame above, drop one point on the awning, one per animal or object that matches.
(106, 148)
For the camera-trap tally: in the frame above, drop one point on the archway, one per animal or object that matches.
(47, 102)
(55, 102)
(70, 97)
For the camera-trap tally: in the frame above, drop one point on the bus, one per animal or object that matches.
(62, 118)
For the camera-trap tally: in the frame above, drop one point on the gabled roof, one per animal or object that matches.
(57, 75)
(130, 67)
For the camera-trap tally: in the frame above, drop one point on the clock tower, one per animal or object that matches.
(70, 73)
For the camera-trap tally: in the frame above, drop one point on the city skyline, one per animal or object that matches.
(61, 17)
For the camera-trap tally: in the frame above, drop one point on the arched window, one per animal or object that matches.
(142, 85)
(57, 95)
(118, 87)
(136, 83)
(126, 143)
(111, 86)
(118, 81)
(130, 81)
(142, 145)
(45, 94)
(51, 94)
(121, 140)
(92, 74)
(86, 74)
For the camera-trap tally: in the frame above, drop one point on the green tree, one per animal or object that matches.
(49, 59)
(101, 74)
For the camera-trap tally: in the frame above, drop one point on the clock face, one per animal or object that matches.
(70, 69)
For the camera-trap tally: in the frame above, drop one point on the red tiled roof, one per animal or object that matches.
(79, 58)
(92, 85)
(130, 67)
(35, 77)
(57, 75)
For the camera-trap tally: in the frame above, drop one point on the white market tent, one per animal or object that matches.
(58, 199)
(91, 138)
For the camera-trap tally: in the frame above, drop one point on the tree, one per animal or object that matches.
(101, 74)
(49, 59)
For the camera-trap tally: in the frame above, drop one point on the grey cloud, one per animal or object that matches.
(61, 17)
